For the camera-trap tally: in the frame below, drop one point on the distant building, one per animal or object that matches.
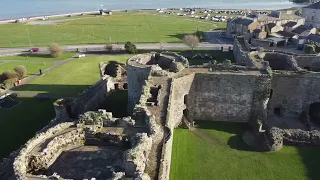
(105, 12)
(289, 26)
(312, 14)
(256, 20)
(304, 31)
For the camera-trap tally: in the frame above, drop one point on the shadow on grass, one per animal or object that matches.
(53, 89)
(117, 103)
(35, 55)
(311, 157)
(234, 142)
(19, 124)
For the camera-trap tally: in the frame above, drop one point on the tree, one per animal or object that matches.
(191, 40)
(8, 75)
(109, 47)
(130, 47)
(55, 50)
(21, 71)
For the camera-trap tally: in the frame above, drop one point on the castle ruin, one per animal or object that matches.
(276, 93)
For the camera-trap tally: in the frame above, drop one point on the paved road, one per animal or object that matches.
(97, 47)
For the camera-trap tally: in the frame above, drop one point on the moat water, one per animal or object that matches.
(26, 8)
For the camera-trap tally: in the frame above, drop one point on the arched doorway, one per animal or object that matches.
(314, 112)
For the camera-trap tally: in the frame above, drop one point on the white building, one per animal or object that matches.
(312, 15)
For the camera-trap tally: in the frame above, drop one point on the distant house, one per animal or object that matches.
(304, 31)
(105, 12)
(259, 34)
(314, 38)
(289, 36)
(312, 14)
(273, 27)
(291, 25)
(243, 25)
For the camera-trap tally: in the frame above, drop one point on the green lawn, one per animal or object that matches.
(38, 56)
(135, 27)
(71, 78)
(227, 157)
(32, 67)
(19, 124)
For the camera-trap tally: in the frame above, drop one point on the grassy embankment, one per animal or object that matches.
(226, 157)
(141, 27)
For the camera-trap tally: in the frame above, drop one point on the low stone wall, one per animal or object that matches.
(92, 97)
(21, 161)
(279, 61)
(136, 158)
(241, 53)
(44, 159)
(294, 137)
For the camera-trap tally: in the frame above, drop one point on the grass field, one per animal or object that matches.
(71, 78)
(32, 67)
(229, 158)
(20, 123)
(135, 27)
(38, 56)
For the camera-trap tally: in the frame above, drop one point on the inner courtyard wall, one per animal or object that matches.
(222, 96)
(180, 88)
(294, 92)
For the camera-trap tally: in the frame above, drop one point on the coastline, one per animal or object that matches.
(96, 12)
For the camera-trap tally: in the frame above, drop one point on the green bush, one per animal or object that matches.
(201, 36)
(130, 47)
(309, 49)
(21, 71)
(8, 83)
(8, 75)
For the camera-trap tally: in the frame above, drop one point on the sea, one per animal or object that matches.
(10, 9)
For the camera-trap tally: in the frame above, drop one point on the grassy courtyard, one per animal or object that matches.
(71, 78)
(225, 156)
(136, 27)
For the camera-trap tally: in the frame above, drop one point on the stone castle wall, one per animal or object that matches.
(136, 79)
(294, 92)
(309, 62)
(222, 96)
(21, 161)
(180, 89)
(93, 96)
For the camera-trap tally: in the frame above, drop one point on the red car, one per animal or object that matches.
(33, 50)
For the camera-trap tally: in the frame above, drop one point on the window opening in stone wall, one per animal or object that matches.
(271, 92)
(155, 95)
(185, 99)
(125, 86)
(307, 68)
(277, 111)
(314, 112)
(186, 114)
(116, 86)
(68, 110)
